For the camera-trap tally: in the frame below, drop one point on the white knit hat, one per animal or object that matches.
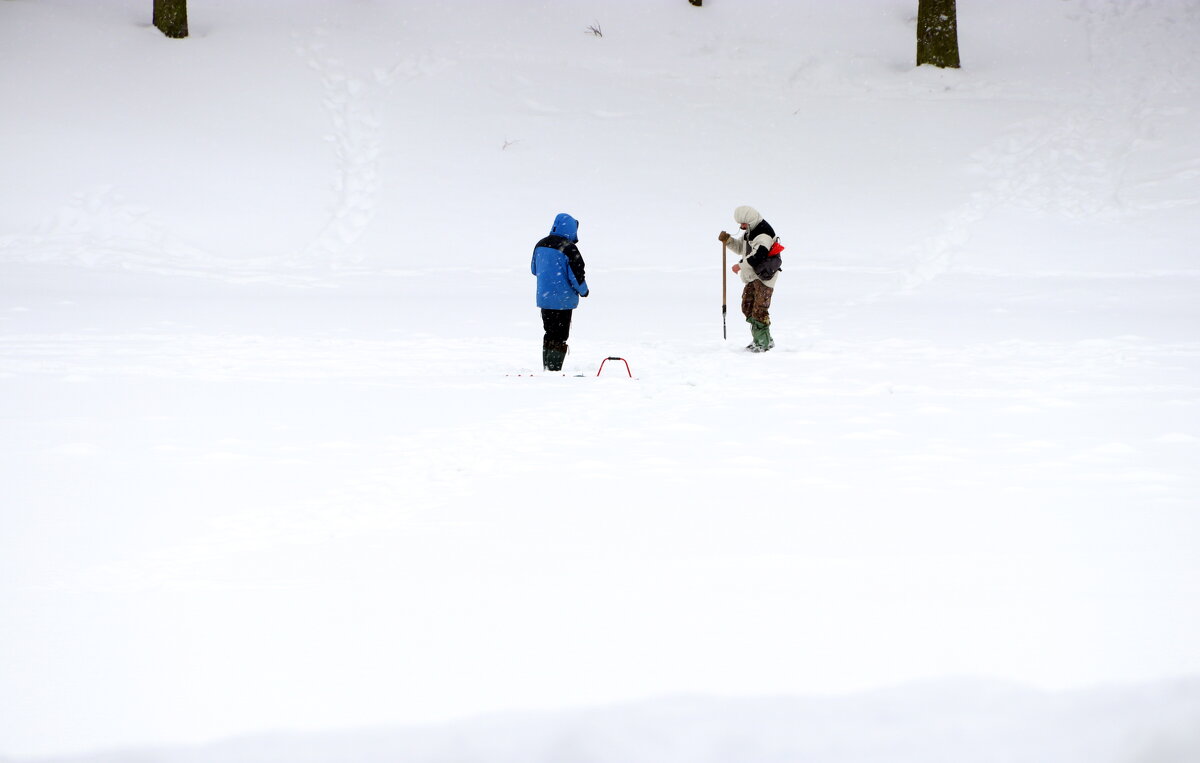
(747, 215)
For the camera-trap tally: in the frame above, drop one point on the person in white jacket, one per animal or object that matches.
(758, 268)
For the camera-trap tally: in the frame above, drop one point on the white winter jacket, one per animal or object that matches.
(758, 238)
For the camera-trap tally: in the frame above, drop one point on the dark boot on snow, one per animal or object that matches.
(553, 355)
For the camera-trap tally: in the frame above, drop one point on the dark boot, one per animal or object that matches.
(553, 355)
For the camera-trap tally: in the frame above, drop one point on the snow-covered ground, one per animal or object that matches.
(272, 459)
(939, 723)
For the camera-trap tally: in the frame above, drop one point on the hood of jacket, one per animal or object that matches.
(567, 227)
(747, 215)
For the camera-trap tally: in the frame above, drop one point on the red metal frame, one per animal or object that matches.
(623, 360)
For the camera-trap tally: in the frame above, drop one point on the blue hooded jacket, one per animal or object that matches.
(559, 266)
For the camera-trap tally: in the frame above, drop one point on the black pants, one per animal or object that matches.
(557, 324)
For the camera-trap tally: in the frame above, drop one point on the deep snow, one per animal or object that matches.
(268, 464)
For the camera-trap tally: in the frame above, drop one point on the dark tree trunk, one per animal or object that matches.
(170, 16)
(937, 34)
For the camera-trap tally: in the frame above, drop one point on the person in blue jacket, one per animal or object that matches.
(558, 266)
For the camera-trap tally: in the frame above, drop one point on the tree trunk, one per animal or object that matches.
(937, 34)
(170, 16)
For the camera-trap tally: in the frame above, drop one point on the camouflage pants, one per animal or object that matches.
(756, 301)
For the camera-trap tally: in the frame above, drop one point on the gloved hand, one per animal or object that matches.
(736, 268)
(723, 237)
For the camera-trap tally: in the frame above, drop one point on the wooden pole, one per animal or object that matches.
(724, 324)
